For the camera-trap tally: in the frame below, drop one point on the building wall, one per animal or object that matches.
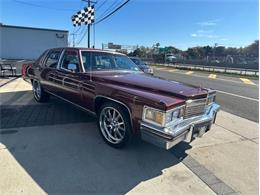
(29, 43)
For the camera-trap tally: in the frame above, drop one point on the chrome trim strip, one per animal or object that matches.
(178, 128)
(103, 51)
(168, 137)
(61, 56)
(155, 132)
(195, 107)
(82, 108)
(81, 61)
(161, 130)
(65, 69)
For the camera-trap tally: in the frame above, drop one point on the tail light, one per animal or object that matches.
(24, 69)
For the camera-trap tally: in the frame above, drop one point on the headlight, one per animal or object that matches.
(162, 118)
(154, 116)
(211, 99)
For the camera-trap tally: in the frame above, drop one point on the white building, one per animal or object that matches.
(17, 42)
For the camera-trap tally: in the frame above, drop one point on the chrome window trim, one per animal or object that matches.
(59, 63)
(104, 51)
(47, 55)
(61, 56)
(44, 56)
(81, 61)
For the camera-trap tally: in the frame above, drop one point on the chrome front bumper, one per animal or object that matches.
(182, 130)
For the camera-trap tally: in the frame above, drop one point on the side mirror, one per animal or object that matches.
(72, 67)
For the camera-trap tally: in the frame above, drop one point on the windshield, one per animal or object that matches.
(138, 62)
(98, 61)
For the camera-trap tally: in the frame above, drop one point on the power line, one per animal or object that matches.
(105, 17)
(42, 6)
(101, 5)
(75, 31)
(111, 13)
(82, 37)
(82, 31)
(75, 34)
(109, 8)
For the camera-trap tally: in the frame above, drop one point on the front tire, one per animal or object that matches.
(114, 125)
(38, 93)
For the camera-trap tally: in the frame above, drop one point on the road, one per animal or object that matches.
(238, 96)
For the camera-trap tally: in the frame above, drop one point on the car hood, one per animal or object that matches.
(140, 81)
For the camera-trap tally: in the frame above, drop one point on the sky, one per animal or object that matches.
(178, 23)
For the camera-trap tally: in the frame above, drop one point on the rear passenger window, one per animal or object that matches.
(53, 59)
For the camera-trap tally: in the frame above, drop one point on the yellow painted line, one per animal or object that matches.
(212, 76)
(189, 72)
(247, 81)
(160, 68)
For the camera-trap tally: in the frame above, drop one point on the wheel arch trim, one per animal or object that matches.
(119, 102)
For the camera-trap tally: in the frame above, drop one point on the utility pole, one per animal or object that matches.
(89, 3)
(88, 28)
(73, 38)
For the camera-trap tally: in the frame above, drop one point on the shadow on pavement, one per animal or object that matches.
(60, 148)
(31, 113)
(73, 159)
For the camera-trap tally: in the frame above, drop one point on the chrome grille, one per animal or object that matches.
(195, 107)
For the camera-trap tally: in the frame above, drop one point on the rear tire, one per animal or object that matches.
(38, 93)
(114, 125)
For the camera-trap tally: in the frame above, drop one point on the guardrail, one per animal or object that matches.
(229, 70)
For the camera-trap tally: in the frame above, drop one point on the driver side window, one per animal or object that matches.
(53, 59)
(70, 57)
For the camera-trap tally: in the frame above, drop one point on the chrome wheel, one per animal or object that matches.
(37, 90)
(112, 125)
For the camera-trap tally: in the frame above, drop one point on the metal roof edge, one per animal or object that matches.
(32, 28)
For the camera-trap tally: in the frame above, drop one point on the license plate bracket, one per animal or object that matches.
(201, 129)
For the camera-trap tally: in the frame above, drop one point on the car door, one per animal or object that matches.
(49, 80)
(88, 84)
(71, 78)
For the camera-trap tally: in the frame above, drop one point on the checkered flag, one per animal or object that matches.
(84, 16)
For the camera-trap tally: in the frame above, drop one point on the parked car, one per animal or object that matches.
(143, 66)
(127, 103)
(170, 58)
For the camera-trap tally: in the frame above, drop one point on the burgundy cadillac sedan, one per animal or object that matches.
(127, 103)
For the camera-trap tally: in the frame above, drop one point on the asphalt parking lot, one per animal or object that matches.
(56, 149)
(236, 95)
